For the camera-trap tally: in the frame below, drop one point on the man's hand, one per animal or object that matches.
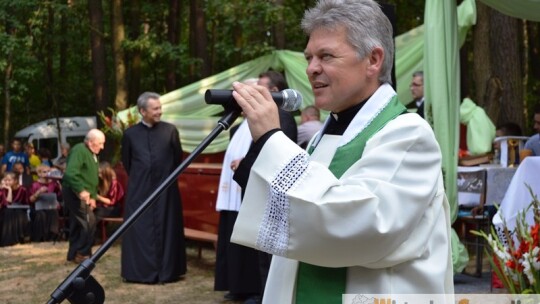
(259, 108)
(84, 196)
(235, 163)
(92, 203)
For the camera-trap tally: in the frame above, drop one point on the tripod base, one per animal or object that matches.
(87, 292)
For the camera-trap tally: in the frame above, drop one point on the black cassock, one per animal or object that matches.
(153, 248)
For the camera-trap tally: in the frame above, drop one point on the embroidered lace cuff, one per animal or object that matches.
(273, 235)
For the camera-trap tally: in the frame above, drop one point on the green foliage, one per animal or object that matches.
(48, 44)
(31, 30)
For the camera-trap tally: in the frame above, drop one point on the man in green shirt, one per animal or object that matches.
(79, 189)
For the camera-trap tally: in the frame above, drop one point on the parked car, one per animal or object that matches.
(45, 133)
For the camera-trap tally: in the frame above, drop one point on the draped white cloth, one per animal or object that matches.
(229, 192)
(518, 197)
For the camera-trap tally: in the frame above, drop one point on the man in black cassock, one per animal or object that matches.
(153, 248)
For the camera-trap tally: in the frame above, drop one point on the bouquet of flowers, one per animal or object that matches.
(114, 128)
(515, 254)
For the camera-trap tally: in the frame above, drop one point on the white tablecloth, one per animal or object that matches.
(497, 180)
(517, 196)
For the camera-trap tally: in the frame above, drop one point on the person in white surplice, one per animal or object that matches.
(363, 209)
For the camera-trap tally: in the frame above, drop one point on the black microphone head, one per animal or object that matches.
(292, 100)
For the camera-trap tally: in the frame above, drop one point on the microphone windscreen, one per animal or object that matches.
(292, 100)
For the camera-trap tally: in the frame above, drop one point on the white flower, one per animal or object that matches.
(525, 262)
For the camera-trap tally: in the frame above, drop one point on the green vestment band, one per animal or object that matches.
(317, 284)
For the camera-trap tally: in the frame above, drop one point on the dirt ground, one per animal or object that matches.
(29, 273)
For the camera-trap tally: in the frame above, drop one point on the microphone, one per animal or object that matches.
(288, 99)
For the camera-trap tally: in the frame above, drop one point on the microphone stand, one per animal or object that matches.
(80, 287)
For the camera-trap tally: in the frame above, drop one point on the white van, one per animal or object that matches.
(45, 133)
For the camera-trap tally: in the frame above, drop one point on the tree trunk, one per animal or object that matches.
(7, 99)
(198, 40)
(280, 27)
(172, 37)
(97, 47)
(118, 36)
(481, 63)
(50, 89)
(533, 30)
(506, 66)
(135, 55)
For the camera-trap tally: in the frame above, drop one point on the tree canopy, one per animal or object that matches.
(74, 57)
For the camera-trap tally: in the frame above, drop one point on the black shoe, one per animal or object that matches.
(236, 296)
(253, 300)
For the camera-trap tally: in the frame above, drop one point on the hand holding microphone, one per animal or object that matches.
(257, 103)
(289, 100)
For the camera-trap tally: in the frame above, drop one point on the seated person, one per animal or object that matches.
(533, 143)
(506, 129)
(44, 195)
(14, 219)
(110, 192)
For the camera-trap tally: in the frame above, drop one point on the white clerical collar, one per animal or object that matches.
(146, 124)
(375, 104)
(419, 102)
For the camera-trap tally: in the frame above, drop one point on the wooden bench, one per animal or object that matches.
(190, 234)
(201, 237)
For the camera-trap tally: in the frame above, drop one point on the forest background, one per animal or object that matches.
(78, 57)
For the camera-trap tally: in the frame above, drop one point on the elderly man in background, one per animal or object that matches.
(79, 190)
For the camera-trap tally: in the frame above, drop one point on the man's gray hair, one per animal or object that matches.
(93, 134)
(366, 25)
(142, 101)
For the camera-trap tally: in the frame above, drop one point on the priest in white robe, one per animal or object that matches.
(363, 210)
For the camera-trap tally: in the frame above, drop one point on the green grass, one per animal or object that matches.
(29, 273)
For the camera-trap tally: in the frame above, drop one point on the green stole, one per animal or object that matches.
(317, 284)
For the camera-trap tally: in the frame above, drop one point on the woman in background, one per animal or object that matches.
(44, 195)
(110, 192)
(14, 211)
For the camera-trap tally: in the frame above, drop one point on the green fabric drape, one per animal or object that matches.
(524, 9)
(187, 109)
(441, 89)
(480, 129)
(410, 48)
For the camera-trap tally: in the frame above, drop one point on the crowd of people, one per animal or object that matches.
(29, 195)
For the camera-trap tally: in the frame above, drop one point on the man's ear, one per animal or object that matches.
(376, 58)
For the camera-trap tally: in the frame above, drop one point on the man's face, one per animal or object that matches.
(152, 113)
(337, 76)
(96, 144)
(417, 87)
(537, 123)
(16, 146)
(265, 82)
